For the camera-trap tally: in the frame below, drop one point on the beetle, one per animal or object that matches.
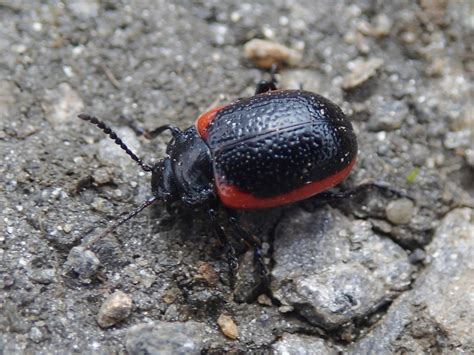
(271, 149)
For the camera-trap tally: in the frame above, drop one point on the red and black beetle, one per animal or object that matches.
(271, 149)
(276, 148)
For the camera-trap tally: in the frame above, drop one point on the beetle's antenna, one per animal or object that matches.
(107, 130)
(117, 224)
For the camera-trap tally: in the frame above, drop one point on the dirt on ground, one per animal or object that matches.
(379, 272)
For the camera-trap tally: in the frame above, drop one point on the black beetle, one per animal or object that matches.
(271, 149)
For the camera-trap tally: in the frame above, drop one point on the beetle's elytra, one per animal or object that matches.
(268, 150)
(277, 148)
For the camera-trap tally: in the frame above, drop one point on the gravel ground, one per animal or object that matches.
(373, 274)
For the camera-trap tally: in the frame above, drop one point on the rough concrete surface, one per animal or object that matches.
(375, 273)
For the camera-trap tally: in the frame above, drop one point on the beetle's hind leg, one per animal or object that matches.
(264, 85)
(328, 196)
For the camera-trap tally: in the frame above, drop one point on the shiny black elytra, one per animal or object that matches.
(277, 148)
(274, 148)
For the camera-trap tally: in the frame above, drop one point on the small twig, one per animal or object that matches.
(108, 73)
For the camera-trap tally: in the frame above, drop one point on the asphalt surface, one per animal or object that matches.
(374, 273)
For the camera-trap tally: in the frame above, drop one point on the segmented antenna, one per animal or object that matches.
(107, 130)
(121, 221)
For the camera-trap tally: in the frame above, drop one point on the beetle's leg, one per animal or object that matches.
(149, 134)
(131, 123)
(327, 196)
(264, 85)
(157, 131)
(255, 243)
(228, 247)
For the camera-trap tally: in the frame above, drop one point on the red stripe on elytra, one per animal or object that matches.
(205, 119)
(232, 197)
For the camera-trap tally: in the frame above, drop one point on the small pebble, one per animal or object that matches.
(161, 337)
(264, 300)
(301, 344)
(147, 280)
(380, 27)
(61, 105)
(83, 262)
(469, 153)
(458, 139)
(99, 204)
(409, 37)
(228, 326)
(389, 116)
(84, 9)
(207, 273)
(36, 335)
(43, 276)
(170, 295)
(285, 309)
(400, 211)
(361, 73)
(437, 67)
(418, 255)
(115, 308)
(101, 176)
(379, 225)
(67, 228)
(266, 53)
(220, 34)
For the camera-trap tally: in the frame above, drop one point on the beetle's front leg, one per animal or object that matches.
(140, 131)
(255, 243)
